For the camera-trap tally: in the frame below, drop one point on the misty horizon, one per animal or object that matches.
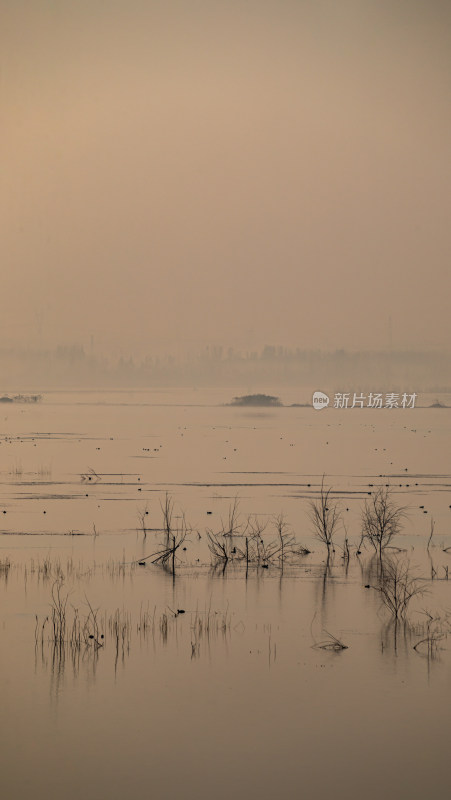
(229, 174)
(74, 366)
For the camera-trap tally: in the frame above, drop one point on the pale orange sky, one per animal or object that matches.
(241, 173)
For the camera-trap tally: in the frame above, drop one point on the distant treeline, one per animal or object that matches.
(341, 370)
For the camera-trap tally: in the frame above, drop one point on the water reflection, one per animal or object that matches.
(324, 586)
(78, 643)
(5, 566)
(75, 638)
(396, 638)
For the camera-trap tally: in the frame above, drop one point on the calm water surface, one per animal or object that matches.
(230, 697)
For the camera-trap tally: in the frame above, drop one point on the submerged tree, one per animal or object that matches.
(167, 509)
(142, 513)
(221, 545)
(381, 519)
(174, 537)
(398, 586)
(246, 542)
(325, 516)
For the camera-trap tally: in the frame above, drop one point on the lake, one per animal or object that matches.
(129, 671)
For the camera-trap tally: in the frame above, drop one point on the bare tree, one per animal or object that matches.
(232, 526)
(167, 509)
(219, 548)
(287, 547)
(256, 550)
(325, 516)
(398, 586)
(221, 545)
(174, 540)
(381, 519)
(142, 514)
(174, 537)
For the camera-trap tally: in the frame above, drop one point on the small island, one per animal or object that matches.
(256, 400)
(21, 398)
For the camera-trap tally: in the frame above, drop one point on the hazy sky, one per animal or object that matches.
(237, 173)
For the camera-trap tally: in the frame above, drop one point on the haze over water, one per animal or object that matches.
(239, 174)
(219, 679)
(199, 201)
